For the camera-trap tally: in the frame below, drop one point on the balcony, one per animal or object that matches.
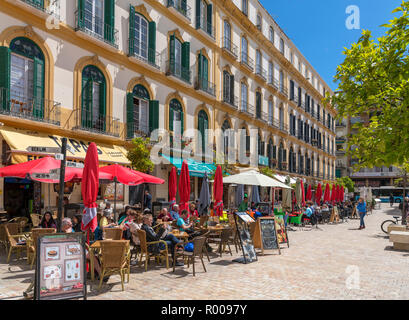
(247, 61)
(35, 109)
(263, 116)
(261, 72)
(206, 27)
(247, 108)
(284, 90)
(49, 7)
(95, 27)
(206, 86)
(230, 47)
(96, 123)
(181, 7)
(274, 83)
(153, 58)
(137, 130)
(230, 99)
(176, 70)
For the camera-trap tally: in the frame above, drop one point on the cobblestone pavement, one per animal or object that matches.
(320, 264)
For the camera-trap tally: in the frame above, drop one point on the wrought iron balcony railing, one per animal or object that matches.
(51, 7)
(247, 61)
(205, 85)
(182, 7)
(261, 72)
(230, 47)
(205, 26)
(247, 108)
(273, 82)
(96, 27)
(97, 123)
(175, 69)
(134, 130)
(230, 99)
(32, 108)
(152, 58)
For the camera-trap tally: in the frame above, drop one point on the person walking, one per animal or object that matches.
(361, 208)
(148, 200)
(391, 199)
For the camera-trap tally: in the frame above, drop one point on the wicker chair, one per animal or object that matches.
(144, 250)
(112, 233)
(225, 239)
(198, 244)
(114, 259)
(3, 236)
(13, 228)
(32, 244)
(35, 219)
(13, 244)
(21, 221)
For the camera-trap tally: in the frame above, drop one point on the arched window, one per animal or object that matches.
(261, 145)
(139, 37)
(258, 104)
(281, 81)
(271, 35)
(227, 35)
(24, 79)
(270, 112)
(203, 72)
(225, 128)
(93, 109)
(307, 165)
(291, 164)
(203, 125)
(244, 50)
(271, 153)
(247, 141)
(282, 45)
(244, 97)
(176, 117)
(228, 88)
(281, 115)
(281, 157)
(138, 115)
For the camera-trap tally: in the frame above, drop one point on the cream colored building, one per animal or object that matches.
(110, 70)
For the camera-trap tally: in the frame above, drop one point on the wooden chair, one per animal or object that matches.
(198, 244)
(13, 244)
(32, 244)
(114, 259)
(21, 222)
(144, 250)
(112, 233)
(13, 228)
(225, 239)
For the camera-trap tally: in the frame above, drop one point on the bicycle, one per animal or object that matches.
(384, 225)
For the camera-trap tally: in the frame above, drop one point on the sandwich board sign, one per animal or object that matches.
(243, 220)
(61, 267)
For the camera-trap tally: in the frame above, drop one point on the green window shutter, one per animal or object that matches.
(201, 130)
(205, 69)
(153, 115)
(198, 14)
(200, 66)
(86, 103)
(182, 121)
(129, 115)
(186, 60)
(131, 30)
(232, 89)
(109, 20)
(171, 116)
(152, 43)
(247, 143)
(5, 59)
(81, 6)
(38, 106)
(204, 137)
(209, 19)
(102, 107)
(172, 54)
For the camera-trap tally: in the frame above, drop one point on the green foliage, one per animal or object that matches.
(139, 155)
(347, 183)
(267, 171)
(374, 83)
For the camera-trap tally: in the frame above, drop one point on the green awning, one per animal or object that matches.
(196, 169)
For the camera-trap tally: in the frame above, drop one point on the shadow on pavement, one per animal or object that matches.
(390, 248)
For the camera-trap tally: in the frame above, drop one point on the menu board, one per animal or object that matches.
(242, 220)
(268, 233)
(60, 270)
(282, 234)
(264, 208)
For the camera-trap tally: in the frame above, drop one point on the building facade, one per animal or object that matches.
(110, 70)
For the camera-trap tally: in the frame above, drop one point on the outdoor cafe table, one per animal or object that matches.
(96, 246)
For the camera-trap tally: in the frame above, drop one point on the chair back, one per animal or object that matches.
(198, 244)
(13, 228)
(35, 233)
(10, 239)
(35, 219)
(113, 253)
(226, 234)
(112, 233)
(3, 234)
(142, 239)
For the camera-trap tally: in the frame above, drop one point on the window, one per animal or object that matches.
(292, 90)
(281, 81)
(282, 45)
(203, 125)
(227, 36)
(142, 37)
(244, 53)
(179, 58)
(244, 6)
(270, 72)
(258, 105)
(247, 140)
(244, 97)
(22, 78)
(259, 63)
(291, 58)
(259, 22)
(228, 88)
(176, 117)
(281, 118)
(271, 35)
(93, 113)
(226, 128)
(270, 111)
(299, 96)
(299, 66)
(203, 72)
(204, 12)
(261, 145)
(270, 152)
(94, 16)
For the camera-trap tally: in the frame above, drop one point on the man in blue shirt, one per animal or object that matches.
(174, 213)
(361, 208)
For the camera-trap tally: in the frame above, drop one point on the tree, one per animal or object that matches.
(374, 85)
(347, 183)
(139, 155)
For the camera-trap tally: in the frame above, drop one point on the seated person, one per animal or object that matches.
(193, 212)
(152, 236)
(66, 226)
(76, 223)
(309, 214)
(48, 221)
(164, 215)
(174, 213)
(188, 228)
(134, 225)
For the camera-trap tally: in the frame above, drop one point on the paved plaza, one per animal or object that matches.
(337, 262)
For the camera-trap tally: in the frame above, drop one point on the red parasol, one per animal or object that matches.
(89, 189)
(309, 193)
(173, 180)
(42, 166)
(123, 175)
(218, 192)
(342, 194)
(302, 194)
(318, 194)
(333, 194)
(327, 193)
(338, 193)
(184, 187)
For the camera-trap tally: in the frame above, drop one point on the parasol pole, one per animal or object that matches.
(115, 215)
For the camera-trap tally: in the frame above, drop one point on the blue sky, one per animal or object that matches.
(317, 27)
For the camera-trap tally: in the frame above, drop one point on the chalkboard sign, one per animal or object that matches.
(269, 234)
(249, 253)
(60, 269)
(264, 208)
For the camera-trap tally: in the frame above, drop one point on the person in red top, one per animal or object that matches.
(193, 213)
(164, 215)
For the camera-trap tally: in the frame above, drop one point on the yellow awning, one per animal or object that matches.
(19, 140)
